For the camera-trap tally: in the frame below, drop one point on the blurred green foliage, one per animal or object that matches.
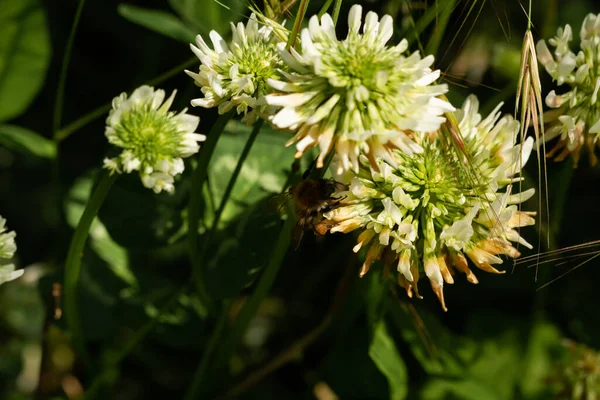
(500, 340)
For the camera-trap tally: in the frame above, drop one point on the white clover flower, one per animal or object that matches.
(356, 94)
(427, 213)
(235, 75)
(577, 120)
(154, 140)
(7, 251)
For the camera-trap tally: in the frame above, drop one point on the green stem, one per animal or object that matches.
(195, 207)
(529, 16)
(336, 11)
(325, 8)
(297, 23)
(233, 179)
(79, 123)
(60, 90)
(262, 290)
(73, 263)
(195, 388)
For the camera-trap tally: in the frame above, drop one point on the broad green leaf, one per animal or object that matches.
(207, 15)
(544, 343)
(100, 241)
(137, 218)
(375, 288)
(348, 369)
(24, 54)
(244, 247)
(158, 21)
(250, 222)
(431, 343)
(25, 141)
(384, 354)
(465, 389)
(263, 174)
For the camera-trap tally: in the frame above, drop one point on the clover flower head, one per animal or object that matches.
(7, 251)
(577, 373)
(356, 94)
(428, 212)
(154, 140)
(235, 75)
(576, 120)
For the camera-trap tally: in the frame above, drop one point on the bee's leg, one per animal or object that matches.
(323, 227)
(340, 187)
(298, 233)
(310, 168)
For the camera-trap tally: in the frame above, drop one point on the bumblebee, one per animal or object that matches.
(311, 198)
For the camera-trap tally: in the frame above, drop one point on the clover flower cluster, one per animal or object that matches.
(419, 205)
(154, 140)
(352, 96)
(357, 94)
(576, 120)
(428, 213)
(7, 251)
(235, 75)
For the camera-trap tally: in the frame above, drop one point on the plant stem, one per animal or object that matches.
(201, 370)
(529, 16)
(297, 23)
(325, 7)
(79, 123)
(262, 290)
(60, 90)
(73, 263)
(336, 11)
(195, 388)
(232, 181)
(195, 207)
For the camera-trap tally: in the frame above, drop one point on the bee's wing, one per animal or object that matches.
(277, 203)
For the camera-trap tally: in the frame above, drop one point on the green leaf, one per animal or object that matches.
(137, 218)
(245, 248)
(24, 54)
(466, 389)
(374, 289)
(207, 15)
(158, 21)
(250, 224)
(100, 241)
(348, 368)
(263, 174)
(384, 354)
(436, 353)
(25, 141)
(544, 343)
